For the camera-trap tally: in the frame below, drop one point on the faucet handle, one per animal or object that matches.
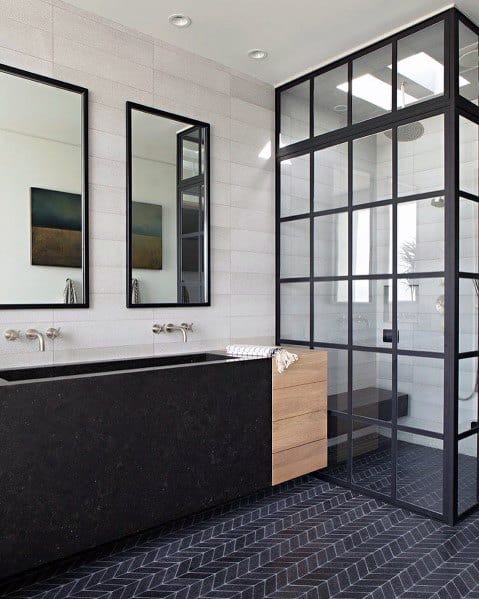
(158, 328)
(188, 327)
(11, 335)
(53, 333)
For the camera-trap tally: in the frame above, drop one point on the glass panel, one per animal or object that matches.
(468, 156)
(190, 256)
(372, 168)
(191, 155)
(467, 484)
(330, 101)
(295, 249)
(372, 457)
(421, 156)
(372, 312)
(294, 114)
(191, 213)
(420, 236)
(468, 64)
(421, 393)
(421, 65)
(372, 381)
(338, 380)
(420, 471)
(421, 314)
(295, 311)
(331, 245)
(372, 241)
(468, 236)
(338, 446)
(468, 314)
(331, 177)
(331, 311)
(467, 405)
(295, 186)
(372, 91)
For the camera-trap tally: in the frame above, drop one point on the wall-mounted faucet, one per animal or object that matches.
(168, 328)
(11, 335)
(33, 334)
(53, 333)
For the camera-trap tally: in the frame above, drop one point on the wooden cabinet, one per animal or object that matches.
(300, 416)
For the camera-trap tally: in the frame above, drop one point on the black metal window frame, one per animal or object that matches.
(452, 106)
(196, 186)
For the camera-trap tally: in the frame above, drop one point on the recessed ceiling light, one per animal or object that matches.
(180, 21)
(258, 54)
(340, 108)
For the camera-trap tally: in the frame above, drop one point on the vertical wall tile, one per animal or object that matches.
(118, 65)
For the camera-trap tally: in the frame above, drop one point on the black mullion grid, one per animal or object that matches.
(451, 267)
(469, 196)
(311, 241)
(350, 287)
(401, 427)
(378, 124)
(450, 104)
(394, 347)
(371, 47)
(375, 204)
(433, 274)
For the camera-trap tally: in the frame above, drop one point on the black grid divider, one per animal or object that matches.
(451, 105)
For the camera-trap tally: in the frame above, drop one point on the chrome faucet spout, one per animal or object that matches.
(184, 327)
(34, 334)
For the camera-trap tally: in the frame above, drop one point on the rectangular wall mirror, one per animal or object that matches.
(43, 198)
(168, 209)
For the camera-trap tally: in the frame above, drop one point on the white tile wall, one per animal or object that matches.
(116, 64)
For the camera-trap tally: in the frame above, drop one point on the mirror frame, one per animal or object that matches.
(130, 106)
(83, 92)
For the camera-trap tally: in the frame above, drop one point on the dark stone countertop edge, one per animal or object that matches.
(223, 358)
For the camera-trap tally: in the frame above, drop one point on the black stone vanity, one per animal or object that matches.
(94, 452)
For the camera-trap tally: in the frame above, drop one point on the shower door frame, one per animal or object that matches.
(451, 105)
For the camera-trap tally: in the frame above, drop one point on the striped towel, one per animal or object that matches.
(284, 358)
(135, 291)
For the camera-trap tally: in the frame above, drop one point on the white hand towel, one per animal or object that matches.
(284, 358)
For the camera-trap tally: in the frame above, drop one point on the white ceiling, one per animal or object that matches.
(298, 34)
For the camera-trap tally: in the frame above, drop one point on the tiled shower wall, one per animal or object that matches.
(116, 64)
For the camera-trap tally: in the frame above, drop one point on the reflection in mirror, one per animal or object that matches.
(43, 204)
(168, 201)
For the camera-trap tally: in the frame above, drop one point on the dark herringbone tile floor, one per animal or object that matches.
(306, 539)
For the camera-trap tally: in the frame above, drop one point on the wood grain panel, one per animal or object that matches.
(310, 368)
(301, 460)
(302, 399)
(299, 430)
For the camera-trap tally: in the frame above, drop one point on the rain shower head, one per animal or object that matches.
(410, 131)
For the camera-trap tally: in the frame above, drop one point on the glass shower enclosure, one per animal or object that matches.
(377, 194)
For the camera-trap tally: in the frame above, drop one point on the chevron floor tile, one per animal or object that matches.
(302, 540)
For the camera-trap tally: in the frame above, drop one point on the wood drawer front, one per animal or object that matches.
(310, 368)
(301, 460)
(298, 430)
(302, 399)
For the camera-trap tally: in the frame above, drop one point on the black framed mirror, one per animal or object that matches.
(168, 248)
(44, 197)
